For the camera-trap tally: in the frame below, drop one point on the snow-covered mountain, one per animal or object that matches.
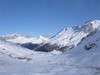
(18, 38)
(86, 56)
(82, 59)
(25, 41)
(69, 38)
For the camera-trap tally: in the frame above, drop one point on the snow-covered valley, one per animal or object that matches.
(77, 52)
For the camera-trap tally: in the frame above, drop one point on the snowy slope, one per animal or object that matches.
(13, 50)
(88, 51)
(72, 36)
(18, 52)
(86, 56)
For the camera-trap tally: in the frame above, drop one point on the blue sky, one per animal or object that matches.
(40, 17)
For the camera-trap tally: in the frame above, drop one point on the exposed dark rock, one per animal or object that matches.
(29, 36)
(24, 58)
(47, 48)
(30, 45)
(65, 48)
(89, 46)
(3, 48)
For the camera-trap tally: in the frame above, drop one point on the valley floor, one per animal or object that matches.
(48, 65)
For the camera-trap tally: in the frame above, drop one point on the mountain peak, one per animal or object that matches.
(94, 23)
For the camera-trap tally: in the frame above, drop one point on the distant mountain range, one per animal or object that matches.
(26, 41)
(65, 39)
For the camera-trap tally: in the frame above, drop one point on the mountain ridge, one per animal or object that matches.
(70, 37)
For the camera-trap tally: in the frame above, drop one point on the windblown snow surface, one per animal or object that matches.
(84, 59)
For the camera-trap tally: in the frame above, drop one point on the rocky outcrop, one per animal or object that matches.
(47, 48)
